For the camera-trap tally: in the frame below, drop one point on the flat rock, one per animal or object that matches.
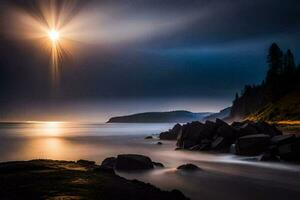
(188, 167)
(128, 162)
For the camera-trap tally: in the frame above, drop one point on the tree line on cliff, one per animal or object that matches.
(282, 78)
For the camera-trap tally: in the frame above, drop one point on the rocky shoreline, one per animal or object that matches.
(51, 179)
(241, 138)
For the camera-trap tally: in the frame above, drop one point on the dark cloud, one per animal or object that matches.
(221, 48)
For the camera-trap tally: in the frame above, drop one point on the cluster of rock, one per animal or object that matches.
(242, 138)
(133, 162)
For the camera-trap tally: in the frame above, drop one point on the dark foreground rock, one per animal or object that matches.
(133, 162)
(48, 179)
(188, 167)
(129, 162)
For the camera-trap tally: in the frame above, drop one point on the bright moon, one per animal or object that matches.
(54, 35)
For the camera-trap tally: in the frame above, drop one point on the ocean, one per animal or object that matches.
(222, 175)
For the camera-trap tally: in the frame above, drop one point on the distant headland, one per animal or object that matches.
(179, 116)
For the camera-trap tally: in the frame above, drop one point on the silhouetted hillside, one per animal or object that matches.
(180, 116)
(286, 108)
(220, 115)
(276, 97)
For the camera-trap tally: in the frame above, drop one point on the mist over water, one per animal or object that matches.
(223, 174)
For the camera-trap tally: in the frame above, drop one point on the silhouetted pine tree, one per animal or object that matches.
(298, 77)
(289, 74)
(273, 79)
(282, 77)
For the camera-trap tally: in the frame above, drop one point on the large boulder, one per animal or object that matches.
(221, 144)
(220, 122)
(253, 128)
(176, 129)
(190, 135)
(188, 167)
(194, 133)
(210, 130)
(269, 157)
(166, 135)
(226, 131)
(252, 145)
(172, 134)
(268, 129)
(290, 152)
(237, 125)
(204, 145)
(283, 139)
(109, 162)
(247, 129)
(128, 162)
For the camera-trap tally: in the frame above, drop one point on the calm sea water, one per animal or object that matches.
(223, 176)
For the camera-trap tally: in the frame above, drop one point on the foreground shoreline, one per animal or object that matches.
(57, 179)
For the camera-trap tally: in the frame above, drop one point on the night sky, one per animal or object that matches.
(144, 55)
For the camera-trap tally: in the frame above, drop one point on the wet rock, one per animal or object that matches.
(86, 162)
(221, 144)
(267, 129)
(290, 152)
(188, 167)
(177, 195)
(176, 129)
(195, 148)
(172, 134)
(247, 129)
(283, 139)
(220, 123)
(104, 169)
(159, 143)
(167, 136)
(226, 131)
(252, 145)
(109, 162)
(191, 135)
(237, 125)
(148, 137)
(129, 162)
(158, 164)
(253, 128)
(219, 136)
(268, 156)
